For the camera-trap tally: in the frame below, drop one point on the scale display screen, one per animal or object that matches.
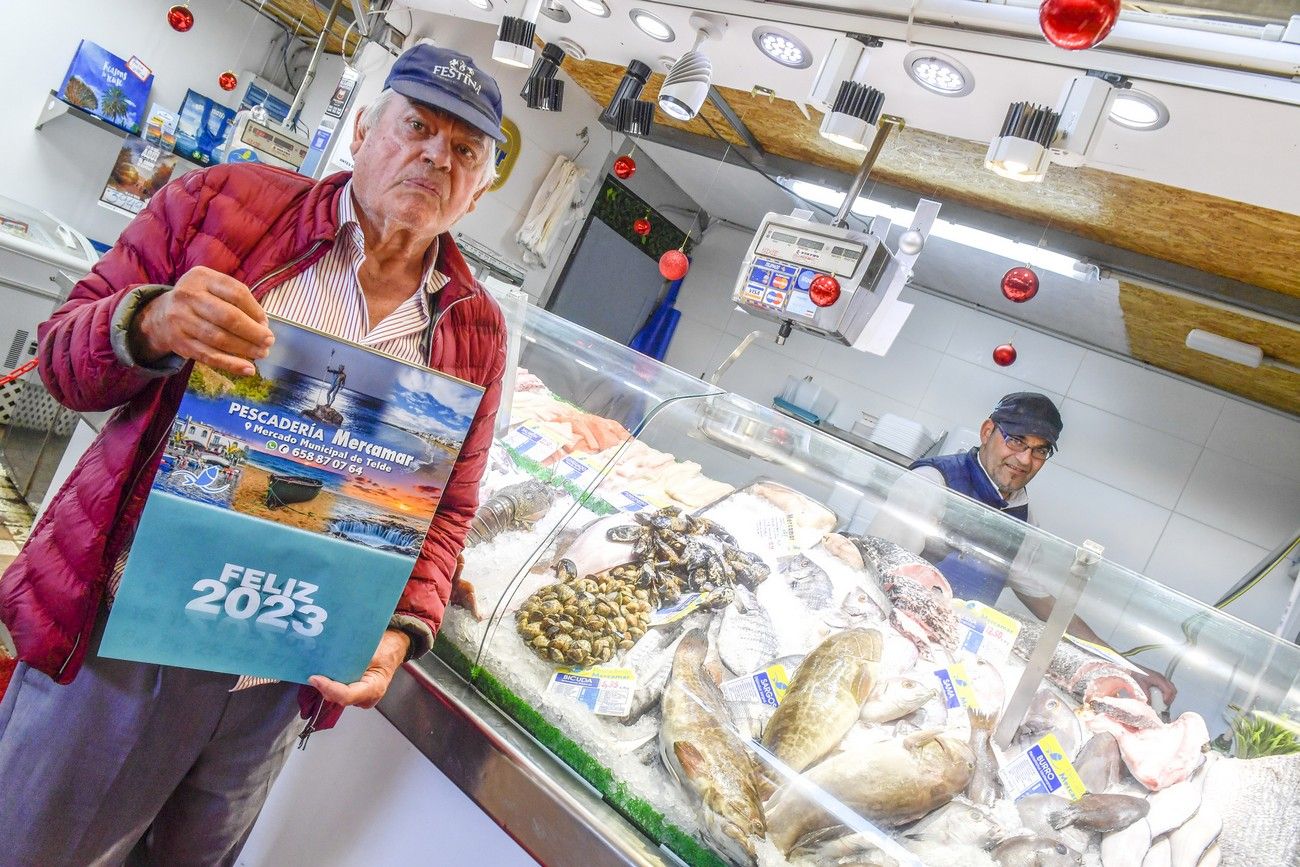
(825, 254)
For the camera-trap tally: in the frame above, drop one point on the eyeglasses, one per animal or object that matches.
(1019, 446)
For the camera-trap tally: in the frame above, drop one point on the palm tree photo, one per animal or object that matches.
(115, 104)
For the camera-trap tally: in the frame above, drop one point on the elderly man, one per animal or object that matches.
(99, 754)
(1016, 440)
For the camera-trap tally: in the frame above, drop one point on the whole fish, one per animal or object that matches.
(514, 507)
(746, 639)
(824, 698)
(1128, 847)
(886, 559)
(1159, 855)
(1036, 813)
(652, 660)
(705, 758)
(984, 784)
(808, 581)
(959, 822)
(1257, 799)
(986, 682)
(1035, 851)
(1172, 806)
(1103, 813)
(894, 698)
(1099, 764)
(1191, 840)
(1076, 671)
(839, 847)
(864, 605)
(1049, 714)
(889, 782)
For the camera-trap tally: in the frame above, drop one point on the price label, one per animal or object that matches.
(767, 687)
(604, 691)
(1043, 769)
(574, 470)
(531, 444)
(986, 632)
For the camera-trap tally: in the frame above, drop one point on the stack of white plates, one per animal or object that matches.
(902, 435)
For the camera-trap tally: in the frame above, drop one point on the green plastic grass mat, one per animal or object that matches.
(642, 815)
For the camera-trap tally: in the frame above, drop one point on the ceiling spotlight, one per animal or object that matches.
(593, 7)
(1020, 150)
(687, 83)
(485, 5)
(542, 90)
(635, 117)
(939, 73)
(852, 108)
(782, 46)
(514, 43)
(554, 11)
(571, 48)
(652, 25)
(1032, 136)
(852, 119)
(625, 112)
(1139, 110)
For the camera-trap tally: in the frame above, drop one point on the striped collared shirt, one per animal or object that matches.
(328, 295)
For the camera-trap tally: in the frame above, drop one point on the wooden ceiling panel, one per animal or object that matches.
(1232, 239)
(1158, 322)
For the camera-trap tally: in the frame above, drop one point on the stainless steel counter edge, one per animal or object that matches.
(550, 811)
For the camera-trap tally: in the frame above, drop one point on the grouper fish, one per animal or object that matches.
(707, 759)
(890, 782)
(824, 699)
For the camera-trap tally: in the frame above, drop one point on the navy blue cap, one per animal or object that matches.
(1028, 413)
(451, 81)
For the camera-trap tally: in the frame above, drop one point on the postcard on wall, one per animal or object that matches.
(140, 170)
(202, 128)
(288, 511)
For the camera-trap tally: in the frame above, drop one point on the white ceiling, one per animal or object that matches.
(1222, 144)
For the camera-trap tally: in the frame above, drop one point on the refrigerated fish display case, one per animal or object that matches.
(666, 642)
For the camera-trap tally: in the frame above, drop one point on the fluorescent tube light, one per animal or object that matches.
(967, 236)
(1225, 347)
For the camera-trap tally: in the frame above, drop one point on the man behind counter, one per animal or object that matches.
(1016, 440)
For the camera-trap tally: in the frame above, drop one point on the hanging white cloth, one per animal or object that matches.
(555, 204)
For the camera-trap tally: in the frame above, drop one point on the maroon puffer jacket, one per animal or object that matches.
(261, 225)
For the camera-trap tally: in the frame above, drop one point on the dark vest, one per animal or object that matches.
(971, 575)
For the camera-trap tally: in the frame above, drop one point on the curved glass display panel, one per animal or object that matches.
(766, 646)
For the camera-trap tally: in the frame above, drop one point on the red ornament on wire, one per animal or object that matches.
(624, 167)
(1004, 355)
(180, 18)
(641, 227)
(674, 265)
(1020, 284)
(1077, 24)
(824, 290)
(228, 80)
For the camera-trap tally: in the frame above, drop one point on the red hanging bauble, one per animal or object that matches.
(624, 167)
(1020, 284)
(228, 80)
(641, 227)
(180, 18)
(1004, 355)
(674, 264)
(824, 290)
(1076, 24)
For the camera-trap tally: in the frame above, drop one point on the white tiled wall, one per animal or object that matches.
(1177, 481)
